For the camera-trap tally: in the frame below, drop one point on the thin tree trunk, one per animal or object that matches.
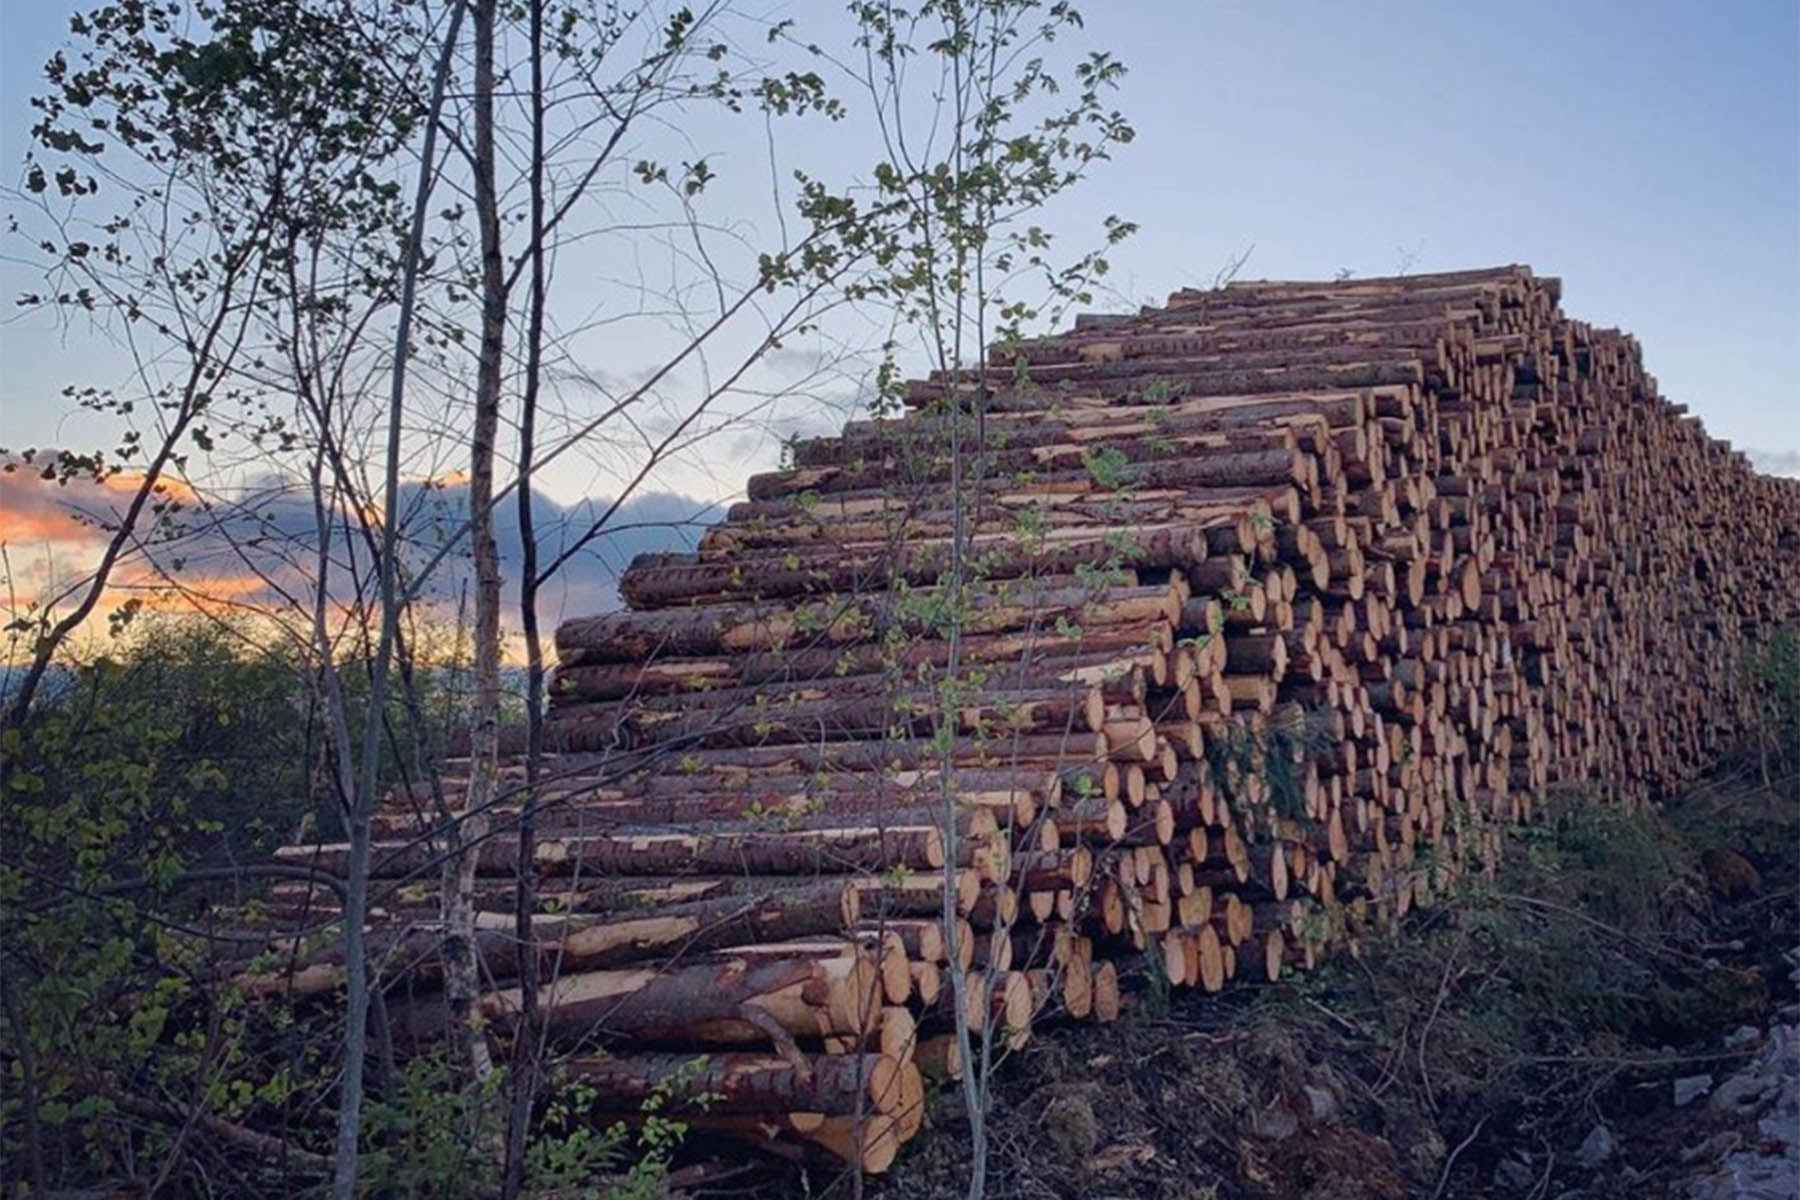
(362, 806)
(461, 981)
(525, 1041)
(28, 1086)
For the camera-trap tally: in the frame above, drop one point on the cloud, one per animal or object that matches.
(762, 441)
(594, 540)
(257, 548)
(797, 361)
(36, 508)
(1775, 462)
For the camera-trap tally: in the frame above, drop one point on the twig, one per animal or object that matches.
(1542, 1187)
(1783, 894)
(783, 1041)
(1437, 1006)
(27, 1056)
(1444, 1179)
(1551, 906)
(1388, 1073)
(1352, 1027)
(263, 1145)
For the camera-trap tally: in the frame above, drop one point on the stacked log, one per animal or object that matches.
(1277, 605)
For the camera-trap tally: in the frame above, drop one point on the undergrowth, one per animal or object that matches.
(430, 1140)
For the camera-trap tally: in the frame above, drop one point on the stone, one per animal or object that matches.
(1276, 1124)
(1743, 1035)
(1421, 1146)
(1740, 1095)
(1690, 1088)
(1515, 1173)
(1720, 1143)
(1321, 1103)
(1596, 1147)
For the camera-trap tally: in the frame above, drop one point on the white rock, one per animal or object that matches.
(1276, 1124)
(1690, 1088)
(1323, 1104)
(1723, 1142)
(1597, 1147)
(1742, 1094)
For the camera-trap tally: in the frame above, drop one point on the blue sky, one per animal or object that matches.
(1648, 152)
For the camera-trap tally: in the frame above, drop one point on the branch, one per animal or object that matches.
(261, 1145)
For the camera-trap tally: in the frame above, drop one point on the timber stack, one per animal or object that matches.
(1274, 607)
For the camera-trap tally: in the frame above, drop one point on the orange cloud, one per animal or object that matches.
(35, 509)
(223, 591)
(128, 482)
(217, 549)
(27, 525)
(53, 534)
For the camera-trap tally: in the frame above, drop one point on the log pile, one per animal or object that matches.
(1279, 603)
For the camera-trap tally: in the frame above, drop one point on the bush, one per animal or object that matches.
(429, 1138)
(141, 776)
(177, 749)
(1774, 670)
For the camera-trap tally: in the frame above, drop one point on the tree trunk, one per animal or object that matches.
(462, 984)
(364, 800)
(806, 995)
(836, 1085)
(584, 941)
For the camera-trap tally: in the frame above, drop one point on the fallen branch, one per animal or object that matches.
(1551, 906)
(263, 1145)
(1444, 1179)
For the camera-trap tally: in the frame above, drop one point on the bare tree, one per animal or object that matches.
(975, 143)
(363, 802)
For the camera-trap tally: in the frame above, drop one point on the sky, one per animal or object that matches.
(1646, 151)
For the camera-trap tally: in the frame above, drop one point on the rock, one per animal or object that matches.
(1322, 1105)
(1276, 1124)
(1743, 1035)
(1597, 1147)
(1759, 1163)
(1075, 1130)
(1122, 1154)
(1515, 1173)
(1690, 1088)
(1719, 1143)
(1729, 873)
(1740, 1095)
(1422, 1148)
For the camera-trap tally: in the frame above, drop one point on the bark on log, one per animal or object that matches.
(836, 1085)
